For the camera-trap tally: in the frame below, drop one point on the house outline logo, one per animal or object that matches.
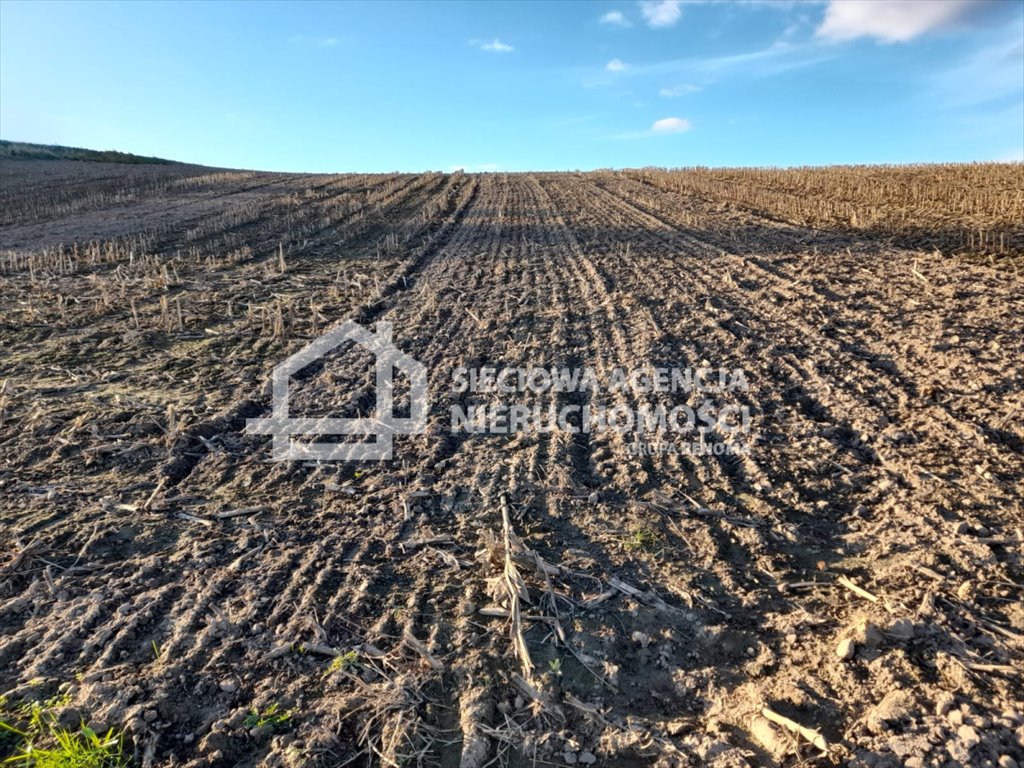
(383, 425)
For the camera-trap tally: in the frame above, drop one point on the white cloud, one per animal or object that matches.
(615, 19)
(678, 90)
(892, 21)
(766, 62)
(702, 72)
(616, 65)
(494, 46)
(671, 125)
(319, 42)
(661, 13)
(990, 74)
(664, 127)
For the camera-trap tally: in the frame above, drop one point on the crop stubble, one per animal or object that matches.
(514, 598)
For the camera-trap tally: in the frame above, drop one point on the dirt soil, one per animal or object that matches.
(537, 598)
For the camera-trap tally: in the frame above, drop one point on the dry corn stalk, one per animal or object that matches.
(517, 593)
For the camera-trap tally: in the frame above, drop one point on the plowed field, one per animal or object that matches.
(534, 598)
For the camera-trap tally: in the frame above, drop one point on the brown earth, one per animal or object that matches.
(538, 598)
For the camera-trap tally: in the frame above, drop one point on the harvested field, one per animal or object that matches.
(966, 209)
(846, 592)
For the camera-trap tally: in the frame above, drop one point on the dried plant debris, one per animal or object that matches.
(847, 592)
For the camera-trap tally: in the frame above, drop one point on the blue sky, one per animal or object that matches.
(518, 86)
